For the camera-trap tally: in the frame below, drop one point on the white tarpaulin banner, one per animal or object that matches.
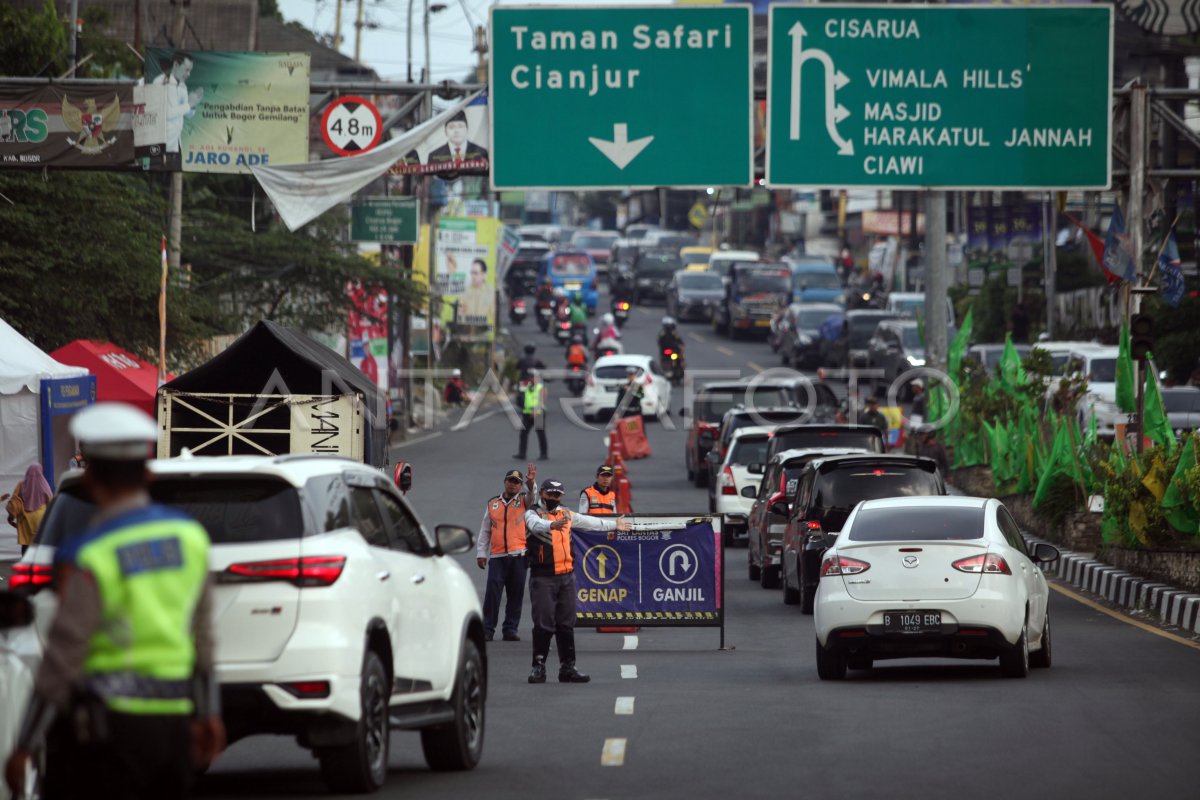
(302, 192)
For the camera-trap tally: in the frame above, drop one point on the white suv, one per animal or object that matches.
(337, 615)
(738, 478)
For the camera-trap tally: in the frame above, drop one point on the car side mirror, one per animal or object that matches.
(756, 469)
(1045, 553)
(749, 492)
(713, 457)
(403, 476)
(452, 539)
(16, 611)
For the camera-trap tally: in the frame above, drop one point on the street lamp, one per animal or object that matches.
(429, 9)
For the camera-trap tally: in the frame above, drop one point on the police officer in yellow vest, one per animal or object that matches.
(599, 498)
(125, 695)
(533, 414)
(500, 549)
(552, 579)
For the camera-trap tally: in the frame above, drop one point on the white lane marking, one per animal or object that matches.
(624, 706)
(613, 754)
(723, 350)
(631, 643)
(754, 366)
(418, 440)
(696, 337)
(629, 670)
(461, 425)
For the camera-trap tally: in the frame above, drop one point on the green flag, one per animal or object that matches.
(1012, 372)
(1110, 525)
(1154, 414)
(1182, 514)
(1126, 400)
(958, 348)
(1089, 438)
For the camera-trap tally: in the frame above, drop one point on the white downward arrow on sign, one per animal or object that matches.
(620, 150)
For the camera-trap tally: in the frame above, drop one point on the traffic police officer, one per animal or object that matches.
(500, 549)
(599, 499)
(126, 691)
(552, 579)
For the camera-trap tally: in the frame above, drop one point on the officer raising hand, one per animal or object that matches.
(125, 695)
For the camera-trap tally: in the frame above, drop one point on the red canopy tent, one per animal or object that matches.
(120, 376)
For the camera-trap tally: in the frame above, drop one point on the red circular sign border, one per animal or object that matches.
(342, 101)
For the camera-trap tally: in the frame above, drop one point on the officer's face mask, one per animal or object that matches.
(552, 501)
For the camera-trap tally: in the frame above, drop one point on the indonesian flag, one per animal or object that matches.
(1097, 245)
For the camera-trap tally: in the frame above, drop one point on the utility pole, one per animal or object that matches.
(1049, 257)
(408, 34)
(337, 25)
(358, 29)
(428, 66)
(936, 288)
(74, 35)
(1139, 117)
(175, 233)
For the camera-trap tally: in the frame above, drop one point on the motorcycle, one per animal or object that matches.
(576, 379)
(672, 366)
(517, 310)
(563, 331)
(545, 312)
(620, 311)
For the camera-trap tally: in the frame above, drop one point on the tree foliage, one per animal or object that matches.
(33, 42)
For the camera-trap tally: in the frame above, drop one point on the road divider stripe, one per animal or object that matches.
(723, 350)
(1117, 615)
(631, 643)
(754, 366)
(624, 706)
(629, 671)
(613, 754)
(696, 337)
(418, 440)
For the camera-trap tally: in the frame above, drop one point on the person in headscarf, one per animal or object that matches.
(27, 505)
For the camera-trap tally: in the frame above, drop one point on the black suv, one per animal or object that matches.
(652, 273)
(795, 437)
(825, 495)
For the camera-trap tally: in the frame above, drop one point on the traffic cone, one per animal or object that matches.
(623, 487)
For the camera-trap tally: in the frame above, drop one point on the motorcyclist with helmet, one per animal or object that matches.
(527, 362)
(669, 339)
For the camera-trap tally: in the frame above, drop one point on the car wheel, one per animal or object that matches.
(790, 596)
(1041, 658)
(1014, 662)
(830, 666)
(769, 577)
(808, 597)
(458, 745)
(752, 570)
(361, 766)
(701, 479)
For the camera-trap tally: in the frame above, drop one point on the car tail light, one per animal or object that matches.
(306, 571)
(840, 565)
(518, 303)
(307, 690)
(728, 485)
(990, 564)
(33, 576)
(813, 525)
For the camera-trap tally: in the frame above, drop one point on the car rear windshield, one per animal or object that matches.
(844, 487)
(804, 440)
(711, 407)
(1183, 401)
(763, 282)
(917, 524)
(233, 510)
(696, 258)
(659, 265)
(816, 280)
(1103, 370)
(571, 265)
(699, 280)
(811, 318)
(613, 372)
(750, 450)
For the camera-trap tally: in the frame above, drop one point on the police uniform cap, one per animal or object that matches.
(513, 475)
(114, 432)
(605, 469)
(551, 485)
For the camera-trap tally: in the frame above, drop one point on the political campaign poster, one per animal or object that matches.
(465, 276)
(55, 127)
(457, 147)
(367, 333)
(666, 571)
(227, 112)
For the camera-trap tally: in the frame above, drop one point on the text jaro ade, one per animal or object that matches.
(590, 78)
(224, 159)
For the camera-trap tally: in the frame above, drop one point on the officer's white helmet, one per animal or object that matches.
(114, 432)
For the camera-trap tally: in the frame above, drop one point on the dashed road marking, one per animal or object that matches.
(696, 337)
(419, 439)
(631, 643)
(753, 366)
(629, 671)
(723, 350)
(624, 706)
(613, 754)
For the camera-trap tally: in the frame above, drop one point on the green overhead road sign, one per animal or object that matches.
(389, 220)
(939, 96)
(621, 97)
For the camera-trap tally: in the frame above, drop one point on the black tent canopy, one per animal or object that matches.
(272, 359)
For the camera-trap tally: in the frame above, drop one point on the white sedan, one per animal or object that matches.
(609, 373)
(943, 577)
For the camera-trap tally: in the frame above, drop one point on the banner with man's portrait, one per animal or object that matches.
(457, 147)
(465, 276)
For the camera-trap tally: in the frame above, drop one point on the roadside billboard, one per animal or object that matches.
(465, 276)
(51, 126)
(227, 112)
(456, 148)
(666, 571)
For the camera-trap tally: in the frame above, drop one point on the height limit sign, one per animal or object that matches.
(351, 125)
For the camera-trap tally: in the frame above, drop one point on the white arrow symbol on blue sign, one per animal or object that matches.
(679, 555)
(620, 150)
(834, 80)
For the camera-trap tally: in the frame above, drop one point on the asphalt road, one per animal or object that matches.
(1116, 716)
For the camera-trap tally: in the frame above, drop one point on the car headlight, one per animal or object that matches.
(805, 340)
(916, 362)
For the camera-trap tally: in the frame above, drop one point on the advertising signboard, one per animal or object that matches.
(49, 126)
(667, 571)
(465, 276)
(228, 112)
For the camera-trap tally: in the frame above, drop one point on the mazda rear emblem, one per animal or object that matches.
(910, 561)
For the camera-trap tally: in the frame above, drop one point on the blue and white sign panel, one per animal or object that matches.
(664, 572)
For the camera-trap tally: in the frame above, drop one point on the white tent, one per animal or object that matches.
(23, 367)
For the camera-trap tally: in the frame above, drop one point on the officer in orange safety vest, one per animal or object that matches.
(600, 498)
(552, 579)
(500, 548)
